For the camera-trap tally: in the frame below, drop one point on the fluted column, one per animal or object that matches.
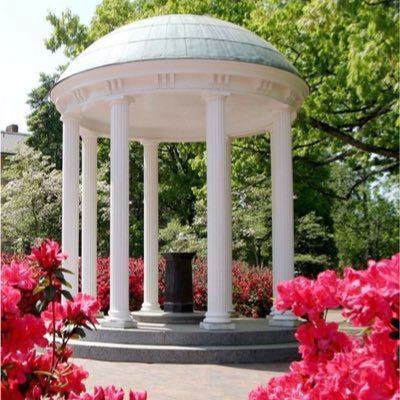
(228, 226)
(150, 295)
(282, 209)
(89, 213)
(70, 198)
(219, 236)
(119, 315)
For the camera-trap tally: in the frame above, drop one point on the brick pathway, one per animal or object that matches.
(182, 381)
(186, 381)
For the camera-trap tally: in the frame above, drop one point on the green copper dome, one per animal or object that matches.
(178, 37)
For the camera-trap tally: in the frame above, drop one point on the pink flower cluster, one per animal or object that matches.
(335, 365)
(109, 393)
(26, 374)
(252, 286)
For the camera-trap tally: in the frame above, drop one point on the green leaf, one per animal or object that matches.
(45, 373)
(79, 331)
(38, 289)
(67, 271)
(41, 305)
(44, 281)
(88, 327)
(68, 329)
(67, 284)
(67, 294)
(60, 277)
(50, 293)
(59, 274)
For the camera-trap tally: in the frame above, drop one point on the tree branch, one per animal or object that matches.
(386, 168)
(346, 138)
(301, 146)
(335, 157)
(251, 149)
(366, 118)
(377, 3)
(330, 193)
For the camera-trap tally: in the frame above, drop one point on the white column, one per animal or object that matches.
(70, 198)
(119, 315)
(282, 209)
(219, 235)
(89, 213)
(228, 226)
(150, 295)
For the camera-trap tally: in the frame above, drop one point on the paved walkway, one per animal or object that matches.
(182, 381)
(186, 381)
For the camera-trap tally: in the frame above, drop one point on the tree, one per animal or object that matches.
(31, 200)
(179, 179)
(135, 198)
(347, 51)
(44, 121)
(314, 246)
(366, 225)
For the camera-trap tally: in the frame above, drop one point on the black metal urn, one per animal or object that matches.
(178, 282)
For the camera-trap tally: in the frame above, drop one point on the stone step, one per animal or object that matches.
(191, 337)
(252, 341)
(260, 353)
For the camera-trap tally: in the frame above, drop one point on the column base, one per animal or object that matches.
(117, 323)
(150, 308)
(217, 326)
(120, 323)
(285, 318)
(217, 322)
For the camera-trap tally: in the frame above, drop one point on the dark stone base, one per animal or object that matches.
(252, 341)
(178, 307)
(166, 318)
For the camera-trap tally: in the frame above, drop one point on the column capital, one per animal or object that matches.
(214, 95)
(149, 142)
(121, 99)
(284, 113)
(87, 133)
(70, 116)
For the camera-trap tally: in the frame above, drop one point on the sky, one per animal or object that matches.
(23, 55)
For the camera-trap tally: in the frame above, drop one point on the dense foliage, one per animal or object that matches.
(31, 317)
(30, 200)
(345, 141)
(335, 365)
(251, 286)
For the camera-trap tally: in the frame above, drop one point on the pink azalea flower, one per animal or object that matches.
(88, 306)
(48, 255)
(70, 379)
(10, 298)
(335, 366)
(372, 293)
(22, 333)
(60, 316)
(320, 342)
(308, 298)
(137, 395)
(77, 312)
(259, 393)
(19, 275)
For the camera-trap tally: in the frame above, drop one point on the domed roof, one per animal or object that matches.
(172, 37)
